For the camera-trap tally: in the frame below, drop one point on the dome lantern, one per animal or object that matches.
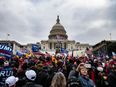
(58, 20)
(58, 30)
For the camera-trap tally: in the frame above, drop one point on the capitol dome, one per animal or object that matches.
(58, 31)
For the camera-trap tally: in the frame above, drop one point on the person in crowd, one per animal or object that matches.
(101, 77)
(5, 71)
(113, 60)
(75, 72)
(11, 81)
(1, 68)
(58, 80)
(73, 80)
(21, 73)
(112, 76)
(31, 76)
(84, 78)
(44, 76)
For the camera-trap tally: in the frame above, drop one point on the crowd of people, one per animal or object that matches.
(58, 71)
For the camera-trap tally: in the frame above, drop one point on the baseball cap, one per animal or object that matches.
(30, 74)
(11, 80)
(100, 69)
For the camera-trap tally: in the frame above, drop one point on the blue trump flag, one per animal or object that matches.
(35, 48)
(63, 50)
(6, 51)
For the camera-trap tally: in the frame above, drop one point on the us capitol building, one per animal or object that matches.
(58, 38)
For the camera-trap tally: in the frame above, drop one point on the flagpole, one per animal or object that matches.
(7, 37)
(110, 36)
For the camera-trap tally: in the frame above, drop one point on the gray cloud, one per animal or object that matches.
(29, 21)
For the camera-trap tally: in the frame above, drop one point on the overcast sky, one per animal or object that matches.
(30, 21)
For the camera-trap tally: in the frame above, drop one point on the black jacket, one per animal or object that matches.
(112, 79)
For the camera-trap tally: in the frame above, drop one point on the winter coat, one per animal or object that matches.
(112, 79)
(86, 82)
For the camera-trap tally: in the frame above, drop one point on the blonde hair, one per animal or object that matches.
(58, 80)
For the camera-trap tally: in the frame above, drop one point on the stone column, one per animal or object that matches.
(52, 46)
(62, 45)
(65, 45)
